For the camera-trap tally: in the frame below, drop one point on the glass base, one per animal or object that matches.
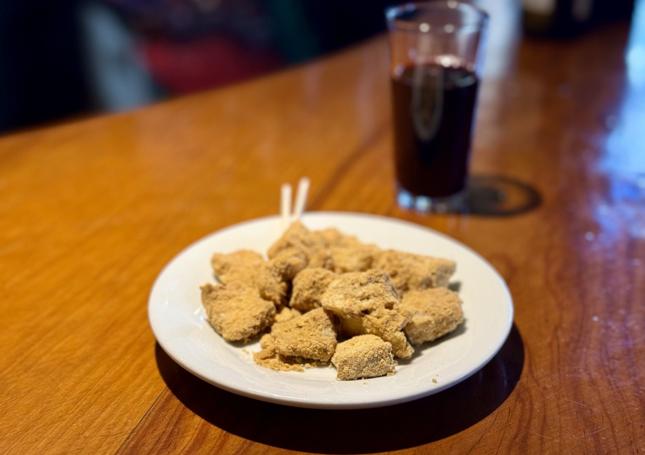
(428, 204)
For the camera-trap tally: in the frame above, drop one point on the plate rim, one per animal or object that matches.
(312, 403)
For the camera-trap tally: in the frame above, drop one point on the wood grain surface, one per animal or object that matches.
(91, 211)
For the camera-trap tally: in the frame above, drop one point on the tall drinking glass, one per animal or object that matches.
(435, 71)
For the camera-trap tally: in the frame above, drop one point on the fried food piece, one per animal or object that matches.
(249, 267)
(357, 258)
(366, 303)
(433, 313)
(333, 237)
(384, 323)
(387, 324)
(236, 311)
(359, 293)
(288, 263)
(268, 357)
(285, 314)
(295, 250)
(299, 248)
(364, 356)
(346, 253)
(310, 336)
(413, 271)
(298, 237)
(320, 257)
(308, 287)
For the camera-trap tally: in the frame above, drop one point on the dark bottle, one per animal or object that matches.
(432, 108)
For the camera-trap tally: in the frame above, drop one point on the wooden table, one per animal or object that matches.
(92, 210)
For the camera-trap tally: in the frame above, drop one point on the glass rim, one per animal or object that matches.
(393, 16)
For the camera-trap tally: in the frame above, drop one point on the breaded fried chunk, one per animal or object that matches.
(364, 356)
(297, 236)
(359, 293)
(433, 313)
(268, 357)
(366, 303)
(356, 258)
(288, 263)
(310, 336)
(333, 237)
(387, 324)
(379, 303)
(295, 250)
(345, 252)
(299, 248)
(249, 267)
(413, 271)
(321, 258)
(285, 314)
(308, 287)
(236, 311)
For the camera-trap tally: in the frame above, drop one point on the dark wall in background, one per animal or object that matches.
(44, 74)
(41, 71)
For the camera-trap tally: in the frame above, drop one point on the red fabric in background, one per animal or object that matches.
(185, 67)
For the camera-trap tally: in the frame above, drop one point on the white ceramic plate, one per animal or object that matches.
(178, 321)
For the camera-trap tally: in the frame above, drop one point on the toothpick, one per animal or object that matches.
(301, 198)
(285, 204)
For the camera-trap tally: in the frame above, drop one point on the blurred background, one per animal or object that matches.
(71, 58)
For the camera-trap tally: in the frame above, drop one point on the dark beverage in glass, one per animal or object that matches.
(435, 67)
(432, 110)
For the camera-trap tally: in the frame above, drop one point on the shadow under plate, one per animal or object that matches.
(352, 431)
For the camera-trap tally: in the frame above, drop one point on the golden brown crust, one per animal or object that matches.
(285, 314)
(320, 257)
(433, 313)
(308, 287)
(287, 263)
(367, 303)
(297, 249)
(297, 236)
(356, 258)
(342, 286)
(332, 236)
(250, 268)
(388, 324)
(364, 356)
(345, 253)
(310, 336)
(236, 311)
(414, 271)
(358, 293)
(269, 358)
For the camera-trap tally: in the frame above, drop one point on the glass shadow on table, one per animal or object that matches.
(352, 431)
(494, 196)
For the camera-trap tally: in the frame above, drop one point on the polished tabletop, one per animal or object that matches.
(90, 211)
